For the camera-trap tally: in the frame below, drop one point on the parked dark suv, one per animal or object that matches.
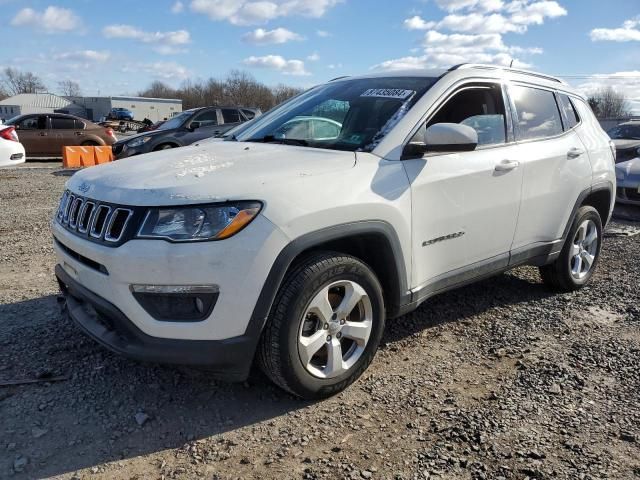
(184, 129)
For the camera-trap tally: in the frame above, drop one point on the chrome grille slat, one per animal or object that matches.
(109, 230)
(92, 231)
(75, 211)
(67, 208)
(85, 218)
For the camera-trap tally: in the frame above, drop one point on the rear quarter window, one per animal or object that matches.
(537, 113)
(570, 113)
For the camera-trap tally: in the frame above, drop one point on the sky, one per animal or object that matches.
(120, 46)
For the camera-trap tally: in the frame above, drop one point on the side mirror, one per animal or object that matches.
(194, 125)
(450, 137)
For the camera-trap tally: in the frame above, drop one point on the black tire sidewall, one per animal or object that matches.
(296, 375)
(583, 214)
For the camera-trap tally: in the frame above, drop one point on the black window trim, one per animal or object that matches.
(465, 84)
(56, 115)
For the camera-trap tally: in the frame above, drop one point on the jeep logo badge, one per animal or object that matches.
(84, 187)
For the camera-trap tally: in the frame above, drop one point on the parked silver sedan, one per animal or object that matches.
(626, 138)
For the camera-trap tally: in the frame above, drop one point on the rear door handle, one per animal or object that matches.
(575, 152)
(507, 165)
(43, 134)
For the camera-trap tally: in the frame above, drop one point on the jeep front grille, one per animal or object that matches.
(97, 221)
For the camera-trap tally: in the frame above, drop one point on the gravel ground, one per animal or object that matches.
(502, 379)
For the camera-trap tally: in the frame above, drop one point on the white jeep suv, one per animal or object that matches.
(291, 241)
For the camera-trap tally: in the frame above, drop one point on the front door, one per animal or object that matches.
(465, 205)
(34, 134)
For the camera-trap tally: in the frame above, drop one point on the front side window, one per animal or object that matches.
(62, 123)
(479, 107)
(570, 113)
(207, 118)
(537, 113)
(31, 123)
(352, 115)
(176, 122)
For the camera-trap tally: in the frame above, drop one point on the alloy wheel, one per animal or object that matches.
(335, 329)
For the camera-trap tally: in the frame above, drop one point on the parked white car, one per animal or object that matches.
(11, 150)
(294, 251)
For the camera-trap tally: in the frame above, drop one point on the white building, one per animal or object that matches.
(152, 108)
(37, 103)
(91, 108)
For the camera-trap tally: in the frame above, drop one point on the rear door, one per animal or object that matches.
(63, 133)
(556, 165)
(34, 134)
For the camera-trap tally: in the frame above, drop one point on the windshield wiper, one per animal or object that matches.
(284, 141)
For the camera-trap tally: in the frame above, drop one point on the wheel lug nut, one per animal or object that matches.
(338, 335)
(328, 338)
(326, 326)
(334, 316)
(342, 322)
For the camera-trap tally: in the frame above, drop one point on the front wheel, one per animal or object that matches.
(580, 254)
(325, 326)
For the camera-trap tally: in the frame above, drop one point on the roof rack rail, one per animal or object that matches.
(339, 78)
(507, 69)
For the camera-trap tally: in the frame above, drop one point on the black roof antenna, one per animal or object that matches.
(511, 64)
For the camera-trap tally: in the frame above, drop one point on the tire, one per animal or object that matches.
(564, 274)
(90, 143)
(164, 146)
(333, 276)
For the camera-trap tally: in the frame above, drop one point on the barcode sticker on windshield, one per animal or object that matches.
(398, 93)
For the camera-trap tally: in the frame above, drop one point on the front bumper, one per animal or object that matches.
(628, 182)
(121, 150)
(228, 359)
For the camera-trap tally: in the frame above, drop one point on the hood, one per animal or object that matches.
(623, 144)
(629, 169)
(150, 133)
(214, 172)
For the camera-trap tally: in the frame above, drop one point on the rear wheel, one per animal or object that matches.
(325, 326)
(580, 254)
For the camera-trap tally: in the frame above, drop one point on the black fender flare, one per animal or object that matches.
(290, 252)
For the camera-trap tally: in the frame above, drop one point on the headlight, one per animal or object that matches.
(198, 223)
(138, 141)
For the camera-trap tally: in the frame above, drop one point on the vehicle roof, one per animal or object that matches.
(465, 70)
(629, 122)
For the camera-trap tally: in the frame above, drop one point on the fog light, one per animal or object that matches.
(177, 303)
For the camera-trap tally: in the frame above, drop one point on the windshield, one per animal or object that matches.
(175, 122)
(625, 132)
(349, 115)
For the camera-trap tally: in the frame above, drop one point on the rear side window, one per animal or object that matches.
(248, 113)
(62, 123)
(537, 113)
(570, 114)
(231, 115)
(78, 125)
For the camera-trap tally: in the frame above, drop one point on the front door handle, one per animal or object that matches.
(43, 134)
(575, 152)
(507, 165)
